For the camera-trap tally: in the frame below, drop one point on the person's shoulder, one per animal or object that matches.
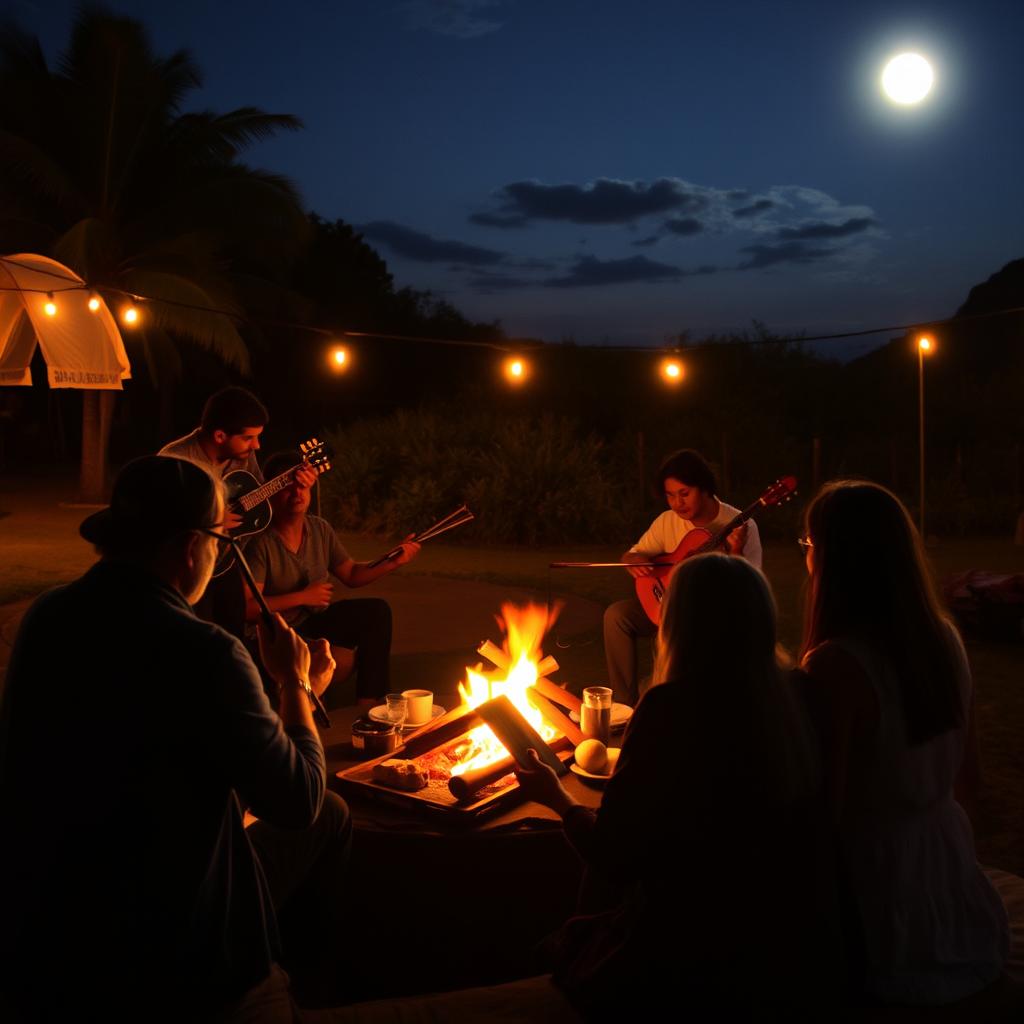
(180, 445)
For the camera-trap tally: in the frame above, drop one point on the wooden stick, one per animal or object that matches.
(494, 654)
(555, 718)
(464, 786)
(547, 667)
(444, 529)
(441, 730)
(555, 693)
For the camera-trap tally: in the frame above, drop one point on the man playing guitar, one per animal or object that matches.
(226, 440)
(688, 484)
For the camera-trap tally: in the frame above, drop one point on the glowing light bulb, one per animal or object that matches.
(672, 371)
(130, 315)
(50, 307)
(925, 344)
(516, 370)
(339, 359)
(94, 304)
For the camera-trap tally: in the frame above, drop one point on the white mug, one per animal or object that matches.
(421, 706)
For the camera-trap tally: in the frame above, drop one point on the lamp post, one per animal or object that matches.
(925, 346)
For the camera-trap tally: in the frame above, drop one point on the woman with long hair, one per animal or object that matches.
(710, 844)
(891, 693)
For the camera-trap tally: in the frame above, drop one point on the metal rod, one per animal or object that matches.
(319, 711)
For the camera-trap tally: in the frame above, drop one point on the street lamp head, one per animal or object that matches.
(516, 369)
(926, 344)
(672, 371)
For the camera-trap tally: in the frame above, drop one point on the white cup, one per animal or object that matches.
(421, 706)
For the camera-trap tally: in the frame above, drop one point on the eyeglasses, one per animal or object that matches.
(805, 544)
(224, 542)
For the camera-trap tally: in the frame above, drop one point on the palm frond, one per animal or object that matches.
(221, 137)
(172, 310)
(89, 247)
(25, 165)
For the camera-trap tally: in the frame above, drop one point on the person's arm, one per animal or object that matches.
(275, 762)
(647, 549)
(317, 596)
(967, 786)
(847, 712)
(359, 574)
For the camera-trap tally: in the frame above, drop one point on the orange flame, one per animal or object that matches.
(525, 627)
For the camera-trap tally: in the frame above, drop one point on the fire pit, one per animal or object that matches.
(461, 770)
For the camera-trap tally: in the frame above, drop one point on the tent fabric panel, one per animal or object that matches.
(82, 348)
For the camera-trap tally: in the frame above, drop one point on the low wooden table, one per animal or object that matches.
(465, 905)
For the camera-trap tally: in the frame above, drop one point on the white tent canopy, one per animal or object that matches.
(82, 348)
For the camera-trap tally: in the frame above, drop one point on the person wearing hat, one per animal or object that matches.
(131, 735)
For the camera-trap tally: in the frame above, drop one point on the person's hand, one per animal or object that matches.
(305, 476)
(321, 665)
(539, 782)
(408, 550)
(284, 653)
(318, 595)
(735, 541)
(636, 571)
(232, 520)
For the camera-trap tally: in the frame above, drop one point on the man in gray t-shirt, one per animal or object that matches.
(291, 561)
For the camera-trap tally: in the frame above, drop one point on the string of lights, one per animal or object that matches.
(515, 367)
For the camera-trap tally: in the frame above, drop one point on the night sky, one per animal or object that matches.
(618, 172)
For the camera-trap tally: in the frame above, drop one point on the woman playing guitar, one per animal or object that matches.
(688, 484)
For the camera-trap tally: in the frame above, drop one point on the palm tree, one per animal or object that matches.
(101, 169)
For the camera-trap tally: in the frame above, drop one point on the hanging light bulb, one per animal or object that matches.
(94, 302)
(516, 369)
(130, 315)
(50, 307)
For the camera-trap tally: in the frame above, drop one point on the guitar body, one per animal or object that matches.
(247, 498)
(254, 520)
(651, 589)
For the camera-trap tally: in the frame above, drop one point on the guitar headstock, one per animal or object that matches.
(780, 492)
(316, 454)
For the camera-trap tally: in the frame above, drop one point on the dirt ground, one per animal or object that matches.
(445, 603)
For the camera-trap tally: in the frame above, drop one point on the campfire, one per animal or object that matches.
(459, 760)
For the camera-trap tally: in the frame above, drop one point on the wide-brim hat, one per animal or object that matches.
(154, 498)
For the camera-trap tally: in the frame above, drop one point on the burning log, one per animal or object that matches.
(463, 787)
(442, 730)
(495, 655)
(547, 667)
(555, 693)
(500, 660)
(555, 718)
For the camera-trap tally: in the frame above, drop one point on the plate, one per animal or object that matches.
(621, 714)
(380, 714)
(613, 758)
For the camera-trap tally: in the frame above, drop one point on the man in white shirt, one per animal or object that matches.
(688, 484)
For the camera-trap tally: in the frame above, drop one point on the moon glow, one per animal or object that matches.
(907, 79)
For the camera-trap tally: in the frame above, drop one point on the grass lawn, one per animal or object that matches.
(40, 547)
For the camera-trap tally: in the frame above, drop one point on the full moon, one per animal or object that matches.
(907, 78)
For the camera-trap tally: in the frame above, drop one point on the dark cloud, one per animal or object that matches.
(820, 229)
(754, 209)
(588, 271)
(604, 201)
(649, 240)
(415, 245)
(684, 226)
(458, 18)
(789, 252)
(499, 220)
(486, 281)
(737, 194)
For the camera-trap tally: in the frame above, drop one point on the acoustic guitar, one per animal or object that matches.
(248, 498)
(651, 589)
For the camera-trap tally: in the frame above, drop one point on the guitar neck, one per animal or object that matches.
(271, 487)
(737, 520)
